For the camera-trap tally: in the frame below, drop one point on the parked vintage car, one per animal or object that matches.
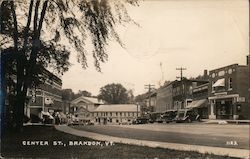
(159, 119)
(169, 116)
(140, 121)
(187, 115)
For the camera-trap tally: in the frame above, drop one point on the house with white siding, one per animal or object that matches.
(116, 113)
(83, 106)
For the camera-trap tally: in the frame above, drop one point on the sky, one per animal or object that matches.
(195, 34)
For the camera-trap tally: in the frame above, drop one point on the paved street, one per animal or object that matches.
(228, 136)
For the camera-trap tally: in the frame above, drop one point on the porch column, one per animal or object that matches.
(234, 109)
(212, 114)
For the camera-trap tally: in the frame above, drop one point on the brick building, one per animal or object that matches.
(229, 92)
(200, 100)
(164, 101)
(182, 92)
(46, 97)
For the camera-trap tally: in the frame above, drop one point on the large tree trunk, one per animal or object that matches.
(24, 74)
(19, 112)
(20, 95)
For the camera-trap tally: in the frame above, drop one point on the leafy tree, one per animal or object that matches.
(200, 77)
(114, 94)
(34, 35)
(82, 93)
(67, 94)
(130, 96)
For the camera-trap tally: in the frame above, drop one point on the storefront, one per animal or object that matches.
(224, 106)
(199, 106)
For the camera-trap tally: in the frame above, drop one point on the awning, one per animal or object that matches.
(219, 83)
(197, 103)
(171, 110)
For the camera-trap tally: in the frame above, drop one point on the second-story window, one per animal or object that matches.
(230, 83)
(212, 86)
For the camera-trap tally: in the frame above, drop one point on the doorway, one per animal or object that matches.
(224, 109)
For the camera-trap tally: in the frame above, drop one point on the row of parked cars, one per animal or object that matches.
(180, 116)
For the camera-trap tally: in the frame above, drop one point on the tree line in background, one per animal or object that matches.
(114, 93)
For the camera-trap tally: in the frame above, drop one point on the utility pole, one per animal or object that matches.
(181, 69)
(149, 87)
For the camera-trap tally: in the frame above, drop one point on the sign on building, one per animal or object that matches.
(241, 99)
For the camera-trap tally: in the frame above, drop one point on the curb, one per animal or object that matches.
(240, 153)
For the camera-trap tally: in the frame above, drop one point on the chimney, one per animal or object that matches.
(205, 73)
(248, 59)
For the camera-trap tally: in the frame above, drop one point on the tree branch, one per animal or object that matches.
(45, 4)
(36, 16)
(28, 25)
(15, 32)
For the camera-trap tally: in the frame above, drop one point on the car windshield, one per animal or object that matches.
(181, 114)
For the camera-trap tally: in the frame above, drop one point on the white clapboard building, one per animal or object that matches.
(115, 113)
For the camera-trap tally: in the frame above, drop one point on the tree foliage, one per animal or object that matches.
(68, 94)
(82, 93)
(114, 94)
(38, 34)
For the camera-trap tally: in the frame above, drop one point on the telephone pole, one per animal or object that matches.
(181, 69)
(149, 87)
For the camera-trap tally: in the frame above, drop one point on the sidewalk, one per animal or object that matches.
(216, 121)
(241, 153)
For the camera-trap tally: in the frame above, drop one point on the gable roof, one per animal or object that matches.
(88, 100)
(118, 108)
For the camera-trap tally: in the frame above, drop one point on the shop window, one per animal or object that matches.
(120, 114)
(116, 114)
(238, 108)
(230, 84)
(110, 113)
